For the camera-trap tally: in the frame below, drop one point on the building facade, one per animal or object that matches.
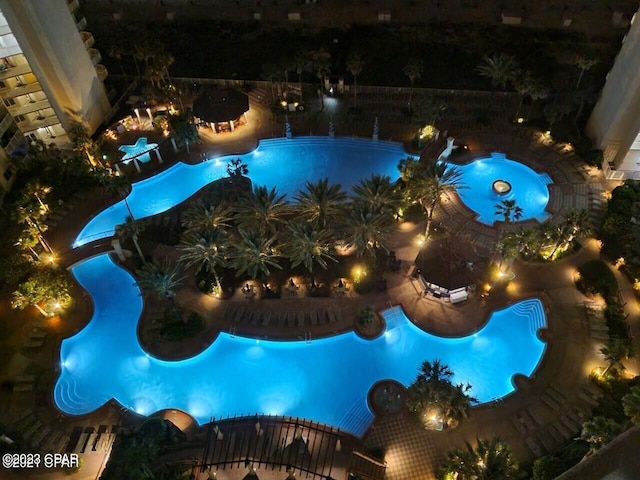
(614, 125)
(50, 78)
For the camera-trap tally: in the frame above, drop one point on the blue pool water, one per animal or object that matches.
(288, 163)
(285, 164)
(529, 189)
(326, 380)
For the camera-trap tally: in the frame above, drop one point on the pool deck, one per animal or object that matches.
(533, 419)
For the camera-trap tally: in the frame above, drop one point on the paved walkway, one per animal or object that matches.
(544, 411)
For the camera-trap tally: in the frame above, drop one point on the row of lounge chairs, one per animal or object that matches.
(36, 339)
(597, 323)
(240, 314)
(544, 432)
(38, 435)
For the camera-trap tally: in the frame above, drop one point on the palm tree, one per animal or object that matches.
(184, 129)
(379, 193)
(599, 431)
(321, 203)
(160, 279)
(489, 460)
(367, 231)
(270, 73)
(576, 224)
(301, 64)
(631, 404)
(526, 85)
(508, 210)
(262, 211)
(616, 350)
(35, 189)
(355, 63)
(201, 218)
(432, 391)
(500, 69)
(430, 181)
(308, 246)
(321, 62)
(253, 255)
(131, 228)
(29, 213)
(206, 252)
(413, 70)
(584, 62)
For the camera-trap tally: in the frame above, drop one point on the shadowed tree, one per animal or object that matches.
(367, 231)
(489, 460)
(413, 71)
(321, 203)
(262, 211)
(132, 229)
(429, 181)
(206, 252)
(527, 86)
(379, 193)
(308, 246)
(253, 255)
(160, 279)
(432, 393)
(321, 63)
(583, 62)
(575, 225)
(631, 404)
(599, 431)
(355, 64)
(500, 68)
(615, 351)
(202, 219)
(301, 64)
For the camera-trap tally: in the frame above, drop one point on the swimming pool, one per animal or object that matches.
(528, 188)
(288, 163)
(325, 380)
(283, 163)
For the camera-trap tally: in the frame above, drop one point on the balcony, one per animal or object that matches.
(38, 122)
(17, 141)
(5, 123)
(87, 39)
(21, 90)
(102, 72)
(15, 71)
(29, 107)
(95, 55)
(81, 24)
(73, 5)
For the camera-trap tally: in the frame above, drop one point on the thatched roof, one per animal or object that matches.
(220, 105)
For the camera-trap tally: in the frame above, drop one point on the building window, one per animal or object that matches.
(2, 84)
(9, 102)
(19, 118)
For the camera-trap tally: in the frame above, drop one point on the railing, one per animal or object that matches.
(95, 55)
(102, 72)
(87, 39)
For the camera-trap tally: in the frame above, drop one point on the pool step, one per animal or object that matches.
(531, 309)
(498, 156)
(358, 419)
(546, 178)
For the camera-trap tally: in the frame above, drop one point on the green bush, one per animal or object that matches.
(547, 467)
(597, 278)
(177, 330)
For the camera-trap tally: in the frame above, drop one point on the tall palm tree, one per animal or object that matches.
(379, 193)
(500, 68)
(262, 211)
(321, 63)
(615, 351)
(301, 64)
(631, 404)
(253, 255)
(367, 231)
(355, 64)
(599, 431)
(207, 252)
(413, 70)
(430, 181)
(308, 246)
(29, 213)
(508, 210)
(35, 189)
(160, 279)
(584, 62)
(576, 224)
(489, 460)
(527, 86)
(132, 229)
(321, 203)
(202, 218)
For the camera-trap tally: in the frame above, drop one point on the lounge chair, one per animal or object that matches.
(266, 318)
(300, 319)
